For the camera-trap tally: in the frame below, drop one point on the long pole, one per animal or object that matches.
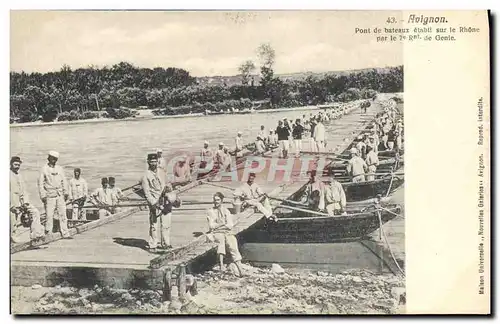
(97, 102)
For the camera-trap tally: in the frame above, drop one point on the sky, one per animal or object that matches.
(206, 43)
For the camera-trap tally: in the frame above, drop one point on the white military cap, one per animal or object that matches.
(159, 150)
(239, 133)
(221, 144)
(354, 150)
(206, 142)
(54, 154)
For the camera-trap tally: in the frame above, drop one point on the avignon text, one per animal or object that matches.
(424, 20)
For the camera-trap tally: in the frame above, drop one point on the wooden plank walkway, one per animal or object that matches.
(122, 245)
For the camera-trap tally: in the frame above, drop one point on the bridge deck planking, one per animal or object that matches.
(98, 247)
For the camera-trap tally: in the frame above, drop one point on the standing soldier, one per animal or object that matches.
(262, 132)
(297, 132)
(371, 162)
(361, 146)
(53, 189)
(356, 166)
(283, 133)
(19, 204)
(78, 192)
(206, 155)
(219, 155)
(160, 219)
(239, 145)
(320, 135)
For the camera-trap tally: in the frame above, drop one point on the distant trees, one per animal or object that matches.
(34, 96)
(246, 68)
(78, 94)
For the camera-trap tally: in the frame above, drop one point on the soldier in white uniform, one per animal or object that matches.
(53, 190)
(372, 163)
(356, 167)
(335, 198)
(220, 223)
(239, 145)
(251, 194)
(103, 198)
(78, 193)
(160, 206)
(20, 204)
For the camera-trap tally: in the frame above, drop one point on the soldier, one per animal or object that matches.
(220, 223)
(160, 206)
(103, 198)
(335, 198)
(78, 192)
(251, 194)
(116, 195)
(20, 206)
(356, 166)
(53, 189)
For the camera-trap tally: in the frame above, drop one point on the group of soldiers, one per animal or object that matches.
(56, 193)
(286, 136)
(162, 199)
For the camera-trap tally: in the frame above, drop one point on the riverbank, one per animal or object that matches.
(147, 114)
(260, 291)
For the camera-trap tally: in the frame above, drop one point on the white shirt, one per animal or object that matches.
(78, 188)
(360, 146)
(103, 196)
(372, 158)
(356, 166)
(249, 192)
(319, 132)
(239, 143)
(52, 182)
(116, 194)
(18, 194)
(152, 184)
(335, 194)
(218, 217)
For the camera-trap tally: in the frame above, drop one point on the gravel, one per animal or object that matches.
(259, 291)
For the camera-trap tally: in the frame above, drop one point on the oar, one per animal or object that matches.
(303, 210)
(287, 201)
(270, 197)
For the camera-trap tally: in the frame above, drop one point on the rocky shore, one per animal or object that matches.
(259, 291)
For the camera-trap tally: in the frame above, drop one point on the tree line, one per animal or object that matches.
(88, 92)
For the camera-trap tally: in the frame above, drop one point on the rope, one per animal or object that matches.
(387, 210)
(390, 248)
(389, 245)
(390, 184)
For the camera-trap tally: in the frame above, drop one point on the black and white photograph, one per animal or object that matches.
(207, 162)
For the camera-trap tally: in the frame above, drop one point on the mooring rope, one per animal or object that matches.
(389, 245)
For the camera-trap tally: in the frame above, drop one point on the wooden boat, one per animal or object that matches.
(339, 168)
(359, 191)
(296, 227)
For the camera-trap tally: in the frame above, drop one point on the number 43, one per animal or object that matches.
(391, 20)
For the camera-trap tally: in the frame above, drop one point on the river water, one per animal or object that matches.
(120, 148)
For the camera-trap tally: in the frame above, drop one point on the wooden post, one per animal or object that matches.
(181, 282)
(193, 290)
(167, 285)
(97, 102)
(380, 225)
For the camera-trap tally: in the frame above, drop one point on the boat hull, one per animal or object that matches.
(303, 229)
